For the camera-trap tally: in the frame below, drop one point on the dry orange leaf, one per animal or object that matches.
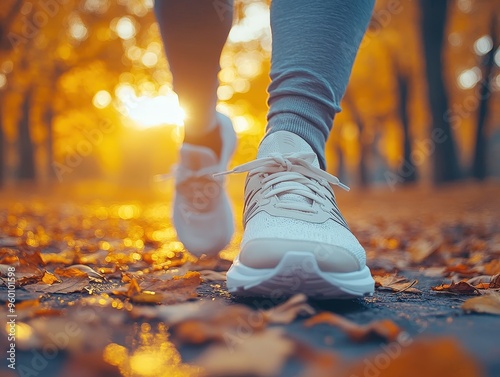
(288, 311)
(8, 256)
(431, 357)
(49, 278)
(421, 249)
(385, 328)
(462, 269)
(495, 281)
(261, 354)
(27, 274)
(64, 257)
(133, 288)
(487, 303)
(493, 267)
(222, 324)
(209, 263)
(188, 280)
(482, 286)
(156, 291)
(396, 283)
(78, 270)
(68, 285)
(89, 364)
(147, 297)
(69, 272)
(462, 287)
(318, 362)
(27, 304)
(27, 259)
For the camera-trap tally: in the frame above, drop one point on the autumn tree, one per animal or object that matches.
(446, 165)
(479, 166)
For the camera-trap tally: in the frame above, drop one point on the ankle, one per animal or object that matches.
(210, 139)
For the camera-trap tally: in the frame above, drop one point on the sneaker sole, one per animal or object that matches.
(298, 272)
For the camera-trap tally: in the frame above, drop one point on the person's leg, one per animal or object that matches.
(314, 46)
(194, 33)
(295, 237)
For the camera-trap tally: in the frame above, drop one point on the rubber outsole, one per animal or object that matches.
(298, 272)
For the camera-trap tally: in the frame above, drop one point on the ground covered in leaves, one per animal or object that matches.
(102, 288)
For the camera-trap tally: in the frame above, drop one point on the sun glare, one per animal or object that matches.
(148, 111)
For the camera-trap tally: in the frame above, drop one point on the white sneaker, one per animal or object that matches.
(295, 238)
(202, 212)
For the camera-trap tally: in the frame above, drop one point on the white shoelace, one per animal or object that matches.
(294, 167)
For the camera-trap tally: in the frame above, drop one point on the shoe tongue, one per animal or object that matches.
(284, 142)
(195, 157)
(287, 142)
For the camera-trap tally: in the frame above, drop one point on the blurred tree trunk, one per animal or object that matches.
(26, 169)
(48, 118)
(446, 165)
(5, 46)
(364, 179)
(403, 85)
(479, 167)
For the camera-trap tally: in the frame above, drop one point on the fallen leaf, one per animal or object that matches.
(88, 364)
(49, 278)
(174, 314)
(223, 323)
(147, 297)
(487, 303)
(261, 354)
(435, 272)
(76, 331)
(28, 304)
(429, 357)
(462, 269)
(492, 268)
(33, 309)
(209, 263)
(133, 288)
(77, 270)
(421, 249)
(69, 285)
(64, 257)
(479, 279)
(189, 280)
(385, 328)
(31, 259)
(156, 291)
(395, 283)
(462, 287)
(495, 281)
(288, 311)
(318, 362)
(27, 274)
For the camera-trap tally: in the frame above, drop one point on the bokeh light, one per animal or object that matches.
(78, 30)
(3, 80)
(125, 28)
(101, 99)
(483, 45)
(469, 78)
